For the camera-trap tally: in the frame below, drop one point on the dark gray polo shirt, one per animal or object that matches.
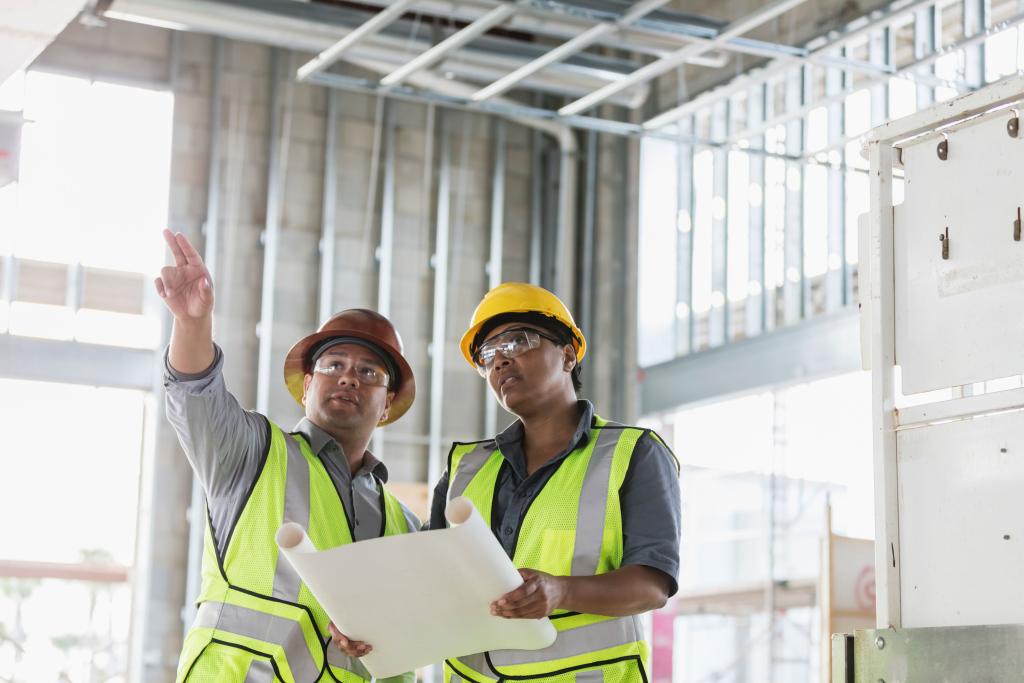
(226, 445)
(650, 497)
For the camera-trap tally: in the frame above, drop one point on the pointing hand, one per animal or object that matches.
(185, 287)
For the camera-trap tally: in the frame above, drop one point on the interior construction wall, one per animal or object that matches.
(183, 62)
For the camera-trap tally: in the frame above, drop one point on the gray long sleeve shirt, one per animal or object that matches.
(225, 445)
(649, 496)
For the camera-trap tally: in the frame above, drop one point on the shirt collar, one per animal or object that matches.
(513, 434)
(323, 444)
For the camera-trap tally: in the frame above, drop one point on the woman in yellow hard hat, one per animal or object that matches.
(586, 508)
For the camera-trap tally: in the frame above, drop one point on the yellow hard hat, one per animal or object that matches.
(520, 297)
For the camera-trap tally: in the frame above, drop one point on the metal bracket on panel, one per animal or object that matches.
(1013, 125)
(842, 658)
(944, 238)
(960, 653)
(943, 149)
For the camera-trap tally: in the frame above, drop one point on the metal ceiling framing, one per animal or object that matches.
(604, 22)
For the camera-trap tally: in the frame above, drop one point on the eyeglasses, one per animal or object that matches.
(510, 344)
(339, 365)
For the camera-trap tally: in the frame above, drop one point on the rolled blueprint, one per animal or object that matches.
(417, 598)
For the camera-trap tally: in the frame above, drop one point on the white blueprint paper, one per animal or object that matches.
(418, 598)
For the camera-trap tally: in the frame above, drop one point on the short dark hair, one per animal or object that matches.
(554, 327)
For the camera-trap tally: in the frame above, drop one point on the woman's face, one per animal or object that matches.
(526, 379)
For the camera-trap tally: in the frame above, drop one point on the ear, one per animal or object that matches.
(387, 407)
(568, 357)
(306, 381)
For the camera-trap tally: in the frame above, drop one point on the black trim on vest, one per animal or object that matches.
(548, 674)
(220, 565)
(459, 673)
(448, 471)
(456, 444)
(309, 613)
(216, 553)
(563, 615)
(270, 658)
(493, 522)
(334, 485)
(252, 487)
(383, 509)
(668, 448)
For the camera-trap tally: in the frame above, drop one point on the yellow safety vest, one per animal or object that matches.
(257, 621)
(572, 527)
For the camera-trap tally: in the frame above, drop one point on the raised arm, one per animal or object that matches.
(223, 442)
(187, 291)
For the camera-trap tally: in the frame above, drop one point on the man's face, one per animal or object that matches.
(344, 390)
(533, 375)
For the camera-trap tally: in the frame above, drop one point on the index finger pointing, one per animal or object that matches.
(172, 242)
(189, 251)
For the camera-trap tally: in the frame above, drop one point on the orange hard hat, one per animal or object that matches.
(365, 325)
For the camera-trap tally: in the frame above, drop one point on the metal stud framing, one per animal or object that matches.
(772, 104)
(685, 326)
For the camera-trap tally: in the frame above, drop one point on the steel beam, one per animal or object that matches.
(325, 299)
(514, 111)
(836, 273)
(718, 314)
(386, 248)
(818, 347)
(536, 205)
(566, 49)
(795, 302)
(373, 25)
(65, 362)
(669, 62)
(927, 39)
(271, 231)
(587, 283)
(438, 343)
(450, 44)
(196, 513)
(686, 205)
(895, 12)
(211, 226)
(977, 14)
(671, 24)
(1005, 25)
(757, 295)
(496, 257)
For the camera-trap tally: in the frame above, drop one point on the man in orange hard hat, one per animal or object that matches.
(256, 619)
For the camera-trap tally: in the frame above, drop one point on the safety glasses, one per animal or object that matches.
(338, 365)
(510, 343)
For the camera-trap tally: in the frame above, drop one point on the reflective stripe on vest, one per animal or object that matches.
(467, 460)
(573, 526)
(252, 598)
(572, 642)
(285, 633)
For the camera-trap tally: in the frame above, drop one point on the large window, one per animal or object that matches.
(79, 231)
(749, 221)
(79, 246)
(759, 473)
(68, 496)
